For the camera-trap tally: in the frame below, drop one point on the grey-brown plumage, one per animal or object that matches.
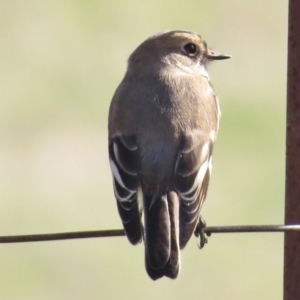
(163, 122)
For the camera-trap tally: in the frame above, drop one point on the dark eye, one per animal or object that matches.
(190, 49)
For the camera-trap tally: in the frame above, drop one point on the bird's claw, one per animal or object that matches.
(200, 232)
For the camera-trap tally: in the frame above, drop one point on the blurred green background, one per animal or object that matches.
(60, 62)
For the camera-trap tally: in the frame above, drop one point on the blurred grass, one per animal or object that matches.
(60, 63)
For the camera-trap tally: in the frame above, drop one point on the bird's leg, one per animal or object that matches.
(200, 232)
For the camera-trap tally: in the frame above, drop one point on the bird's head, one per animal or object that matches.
(183, 49)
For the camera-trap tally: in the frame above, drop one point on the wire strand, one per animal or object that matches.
(120, 232)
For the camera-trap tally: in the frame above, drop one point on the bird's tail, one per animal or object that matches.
(162, 254)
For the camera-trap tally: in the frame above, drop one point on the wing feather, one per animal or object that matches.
(123, 155)
(191, 179)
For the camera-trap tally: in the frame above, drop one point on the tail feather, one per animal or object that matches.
(162, 257)
(172, 268)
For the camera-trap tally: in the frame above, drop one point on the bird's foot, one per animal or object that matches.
(200, 232)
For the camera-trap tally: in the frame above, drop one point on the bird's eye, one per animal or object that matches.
(190, 49)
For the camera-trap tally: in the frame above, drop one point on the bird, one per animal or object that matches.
(162, 126)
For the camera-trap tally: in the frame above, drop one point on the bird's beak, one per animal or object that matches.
(213, 55)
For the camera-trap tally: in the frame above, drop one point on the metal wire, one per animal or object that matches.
(120, 232)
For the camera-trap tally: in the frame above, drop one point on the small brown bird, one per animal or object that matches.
(163, 122)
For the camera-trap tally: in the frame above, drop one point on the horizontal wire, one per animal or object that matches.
(120, 232)
(250, 228)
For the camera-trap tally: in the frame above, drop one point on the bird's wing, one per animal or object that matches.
(123, 156)
(191, 179)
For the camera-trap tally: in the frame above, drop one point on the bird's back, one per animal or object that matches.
(163, 122)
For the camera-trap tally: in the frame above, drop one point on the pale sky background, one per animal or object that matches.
(60, 62)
